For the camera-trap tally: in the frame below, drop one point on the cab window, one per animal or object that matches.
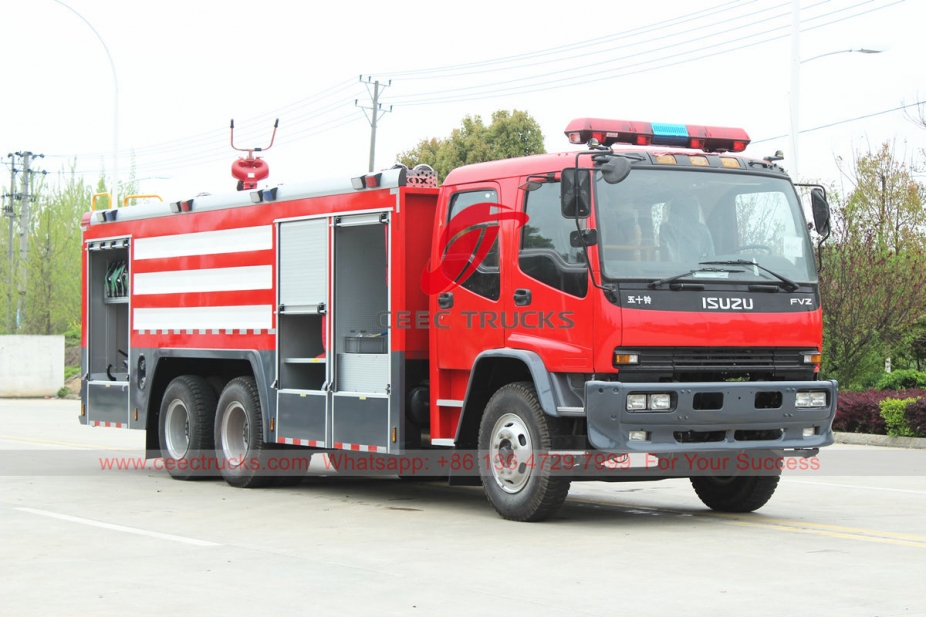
(485, 280)
(546, 253)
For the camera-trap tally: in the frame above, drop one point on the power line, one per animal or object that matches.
(520, 89)
(589, 77)
(662, 25)
(206, 146)
(212, 136)
(838, 122)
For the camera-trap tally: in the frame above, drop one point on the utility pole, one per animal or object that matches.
(376, 111)
(25, 198)
(9, 213)
(24, 222)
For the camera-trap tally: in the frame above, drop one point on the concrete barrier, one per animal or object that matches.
(31, 365)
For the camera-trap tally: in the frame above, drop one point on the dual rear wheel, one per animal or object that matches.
(205, 436)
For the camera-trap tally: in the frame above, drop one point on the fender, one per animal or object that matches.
(522, 365)
(262, 368)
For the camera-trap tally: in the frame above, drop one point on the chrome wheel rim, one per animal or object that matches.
(235, 434)
(511, 453)
(177, 429)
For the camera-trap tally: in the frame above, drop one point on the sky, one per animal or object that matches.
(184, 68)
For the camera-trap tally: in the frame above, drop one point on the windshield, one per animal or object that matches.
(661, 222)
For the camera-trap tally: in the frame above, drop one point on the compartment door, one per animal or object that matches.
(108, 310)
(365, 414)
(302, 350)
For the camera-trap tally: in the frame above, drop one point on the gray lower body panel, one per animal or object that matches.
(108, 401)
(740, 413)
(359, 419)
(301, 415)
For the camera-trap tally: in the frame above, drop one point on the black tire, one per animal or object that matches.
(217, 383)
(185, 428)
(292, 463)
(240, 451)
(735, 493)
(515, 433)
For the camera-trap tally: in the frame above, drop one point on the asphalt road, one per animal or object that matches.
(78, 541)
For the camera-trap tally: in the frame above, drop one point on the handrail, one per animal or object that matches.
(125, 201)
(97, 195)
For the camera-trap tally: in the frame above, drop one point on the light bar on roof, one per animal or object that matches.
(609, 132)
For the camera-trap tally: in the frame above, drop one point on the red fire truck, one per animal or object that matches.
(532, 321)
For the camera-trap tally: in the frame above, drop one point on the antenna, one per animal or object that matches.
(248, 171)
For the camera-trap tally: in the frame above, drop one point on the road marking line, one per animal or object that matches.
(831, 534)
(821, 526)
(69, 444)
(122, 528)
(821, 529)
(870, 488)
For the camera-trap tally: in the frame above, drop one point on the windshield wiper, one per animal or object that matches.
(784, 281)
(669, 279)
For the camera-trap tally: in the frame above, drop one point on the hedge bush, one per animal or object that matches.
(901, 380)
(860, 412)
(894, 412)
(916, 417)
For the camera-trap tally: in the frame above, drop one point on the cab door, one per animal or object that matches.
(547, 297)
(467, 315)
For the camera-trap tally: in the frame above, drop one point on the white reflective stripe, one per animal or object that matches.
(442, 442)
(449, 402)
(205, 243)
(254, 317)
(245, 278)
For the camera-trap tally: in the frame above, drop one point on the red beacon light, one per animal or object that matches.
(248, 171)
(705, 138)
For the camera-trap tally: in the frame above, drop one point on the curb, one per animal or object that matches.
(864, 439)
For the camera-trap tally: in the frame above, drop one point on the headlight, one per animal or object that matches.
(636, 402)
(810, 399)
(661, 401)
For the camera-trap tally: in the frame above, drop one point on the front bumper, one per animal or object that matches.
(741, 417)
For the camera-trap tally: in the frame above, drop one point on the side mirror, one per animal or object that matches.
(821, 211)
(575, 193)
(584, 238)
(615, 170)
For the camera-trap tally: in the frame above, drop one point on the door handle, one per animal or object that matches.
(445, 300)
(522, 297)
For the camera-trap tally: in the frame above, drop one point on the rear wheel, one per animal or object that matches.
(291, 464)
(239, 436)
(516, 435)
(735, 493)
(185, 426)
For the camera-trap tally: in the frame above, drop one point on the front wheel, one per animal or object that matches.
(734, 493)
(516, 435)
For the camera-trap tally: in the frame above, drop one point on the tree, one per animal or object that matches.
(873, 283)
(509, 135)
(50, 301)
(886, 201)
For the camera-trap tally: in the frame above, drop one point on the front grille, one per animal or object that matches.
(721, 359)
(687, 364)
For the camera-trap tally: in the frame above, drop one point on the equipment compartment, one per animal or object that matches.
(109, 290)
